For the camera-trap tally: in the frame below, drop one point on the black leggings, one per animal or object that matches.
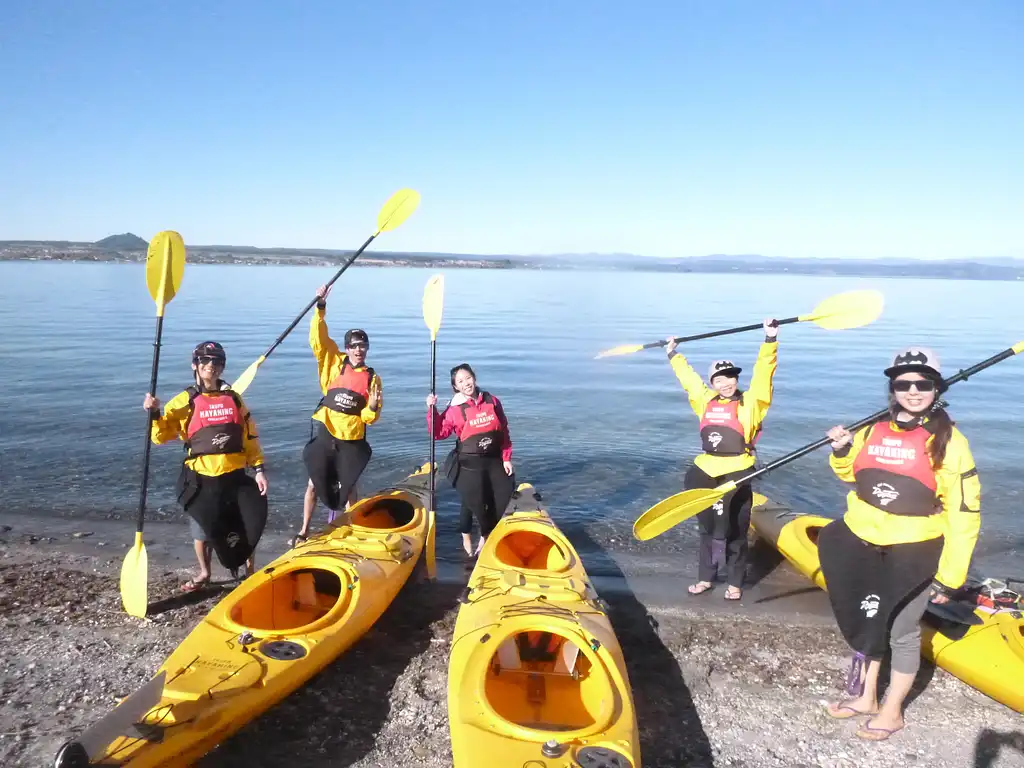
(727, 521)
(229, 508)
(485, 491)
(334, 466)
(878, 593)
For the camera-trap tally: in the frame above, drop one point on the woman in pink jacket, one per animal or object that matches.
(480, 465)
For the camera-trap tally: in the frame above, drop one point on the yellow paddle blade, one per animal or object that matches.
(242, 382)
(676, 509)
(625, 349)
(134, 579)
(165, 266)
(433, 304)
(431, 546)
(1018, 347)
(847, 310)
(397, 209)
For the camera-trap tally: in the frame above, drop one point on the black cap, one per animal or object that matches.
(209, 349)
(356, 335)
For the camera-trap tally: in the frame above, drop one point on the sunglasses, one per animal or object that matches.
(207, 360)
(359, 345)
(924, 385)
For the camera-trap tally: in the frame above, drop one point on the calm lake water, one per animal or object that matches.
(602, 439)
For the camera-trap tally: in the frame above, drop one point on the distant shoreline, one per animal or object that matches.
(995, 269)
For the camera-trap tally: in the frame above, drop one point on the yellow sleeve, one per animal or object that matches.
(325, 349)
(842, 462)
(368, 415)
(759, 396)
(251, 440)
(699, 392)
(171, 424)
(960, 491)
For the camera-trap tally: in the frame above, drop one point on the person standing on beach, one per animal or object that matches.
(480, 465)
(338, 452)
(907, 537)
(730, 422)
(227, 509)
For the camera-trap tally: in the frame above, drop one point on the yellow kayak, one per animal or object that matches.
(987, 655)
(536, 676)
(267, 637)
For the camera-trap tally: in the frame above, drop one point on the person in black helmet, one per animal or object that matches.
(730, 423)
(480, 465)
(907, 536)
(338, 452)
(227, 509)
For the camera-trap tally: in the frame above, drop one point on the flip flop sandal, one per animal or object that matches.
(845, 712)
(872, 733)
(733, 594)
(195, 584)
(699, 589)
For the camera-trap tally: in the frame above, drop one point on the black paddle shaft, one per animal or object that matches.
(150, 416)
(712, 334)
(963, 375)
(309, 306)
(433, 415)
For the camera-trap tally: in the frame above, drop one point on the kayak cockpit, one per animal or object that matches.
(291, 599)
(531, 548)
(383, 513)
(542, 681)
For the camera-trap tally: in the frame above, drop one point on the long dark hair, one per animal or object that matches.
(939, 423)
(461, 367)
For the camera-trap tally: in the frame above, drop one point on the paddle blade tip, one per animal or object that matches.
(134, 580)
(625, 349)
(433, 304)
(399, 207)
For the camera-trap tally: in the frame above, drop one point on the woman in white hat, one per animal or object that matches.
(907, 536)
(730, 422)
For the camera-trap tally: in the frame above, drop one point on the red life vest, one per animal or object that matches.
(893, 471)
(481, 433)
(349, 391)
(215, 424)
(721, 431)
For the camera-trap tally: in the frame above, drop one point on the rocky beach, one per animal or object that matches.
(715, 684)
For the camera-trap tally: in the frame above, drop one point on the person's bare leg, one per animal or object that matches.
(203, 556)
(867, 702)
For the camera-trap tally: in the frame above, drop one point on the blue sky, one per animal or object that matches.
(857, 129)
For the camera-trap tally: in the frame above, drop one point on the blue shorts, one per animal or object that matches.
(196, 529)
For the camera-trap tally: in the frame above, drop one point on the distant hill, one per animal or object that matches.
(125, 242)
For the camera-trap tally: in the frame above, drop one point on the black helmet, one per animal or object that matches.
(209, 349)
(356, 335)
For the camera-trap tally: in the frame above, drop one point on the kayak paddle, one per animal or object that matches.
(433, 306)
(396, 210)
(682, 506)
(165, 266)
(852, 309)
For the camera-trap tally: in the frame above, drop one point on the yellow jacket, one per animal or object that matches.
(174, 422)
(329, 360)
(752, 409)
(959, 490)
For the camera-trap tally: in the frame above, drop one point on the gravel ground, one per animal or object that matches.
(714, 685)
